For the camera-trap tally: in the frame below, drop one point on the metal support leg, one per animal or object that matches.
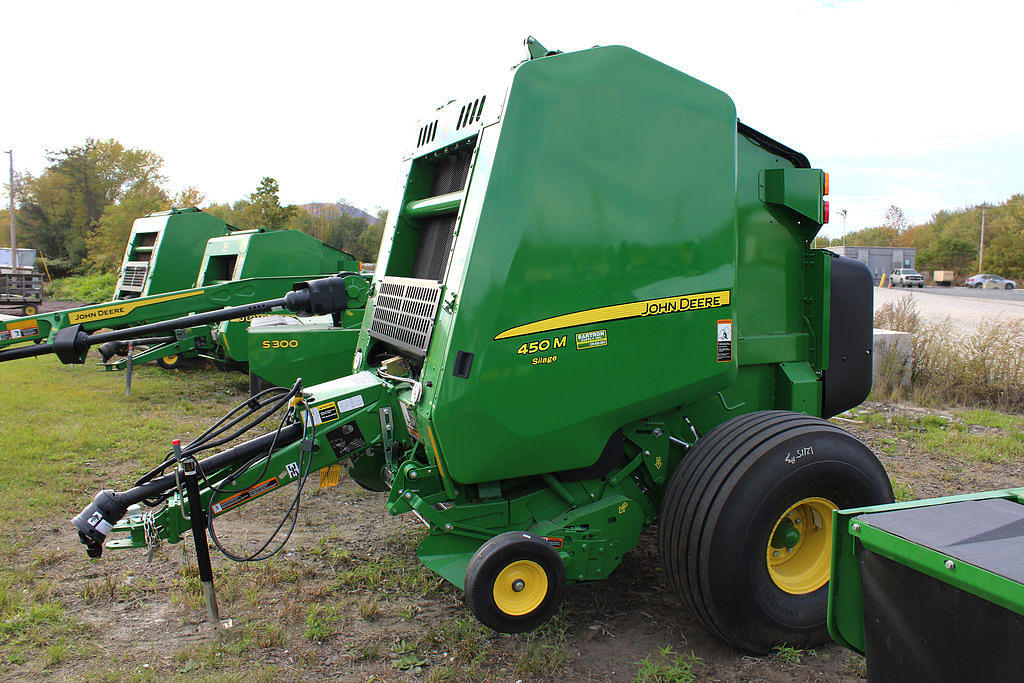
(190, 473)
(128, 375)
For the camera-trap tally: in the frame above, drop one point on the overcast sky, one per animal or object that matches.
(918, 104)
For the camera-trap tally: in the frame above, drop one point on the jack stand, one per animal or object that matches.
(189, 469)
(128, 375)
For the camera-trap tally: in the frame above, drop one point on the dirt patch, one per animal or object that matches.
(349, 600)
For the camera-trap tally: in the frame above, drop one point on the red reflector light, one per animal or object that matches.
(826, 212)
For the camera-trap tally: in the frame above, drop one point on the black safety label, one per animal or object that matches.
(346, 438)
(724, 337)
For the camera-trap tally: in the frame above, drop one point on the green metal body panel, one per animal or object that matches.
(316, 352)
(261, 253)
(584, 195)
(845, 598)
(165, 251)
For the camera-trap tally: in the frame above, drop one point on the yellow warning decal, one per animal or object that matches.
(635, 309)
(330, 475)
(22, 324)
(123, 308)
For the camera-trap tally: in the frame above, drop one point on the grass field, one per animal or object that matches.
(348, 598)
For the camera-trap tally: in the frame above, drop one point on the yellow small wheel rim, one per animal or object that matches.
(802, 567)
(31, 310)
(170, 361)
(520, 588)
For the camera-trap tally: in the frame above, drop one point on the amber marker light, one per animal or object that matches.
(825, 192)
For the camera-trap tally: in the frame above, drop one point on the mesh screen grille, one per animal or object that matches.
(134, 277)
(404, 313)
(438, 231)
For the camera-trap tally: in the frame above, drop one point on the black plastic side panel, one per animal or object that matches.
(611, 457)
(847, 382)
(917, 628)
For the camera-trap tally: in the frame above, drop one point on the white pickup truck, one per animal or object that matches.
(907, 277)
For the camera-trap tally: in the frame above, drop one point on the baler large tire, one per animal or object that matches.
(515, 582)
(728, 509)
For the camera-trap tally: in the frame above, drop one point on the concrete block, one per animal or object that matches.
(892, 352)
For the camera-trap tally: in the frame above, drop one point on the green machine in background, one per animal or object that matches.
(282, 349)
(596, 308)
(255, 253)
(269, 261)
(165, 251)
(932, 589)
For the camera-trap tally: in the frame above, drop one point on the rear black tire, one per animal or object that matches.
(723, 503)
(506, 552)
(1009, 286)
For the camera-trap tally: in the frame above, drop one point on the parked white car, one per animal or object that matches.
(907, 277)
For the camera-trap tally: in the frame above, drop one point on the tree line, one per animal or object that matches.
(79, 211)
(951, 239)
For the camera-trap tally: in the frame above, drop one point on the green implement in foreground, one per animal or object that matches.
(596, 308)
(932, 589)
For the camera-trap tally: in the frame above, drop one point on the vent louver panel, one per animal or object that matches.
(471, 112)
(404, 313)
(427, 134)
(134, 277)
(438, 232)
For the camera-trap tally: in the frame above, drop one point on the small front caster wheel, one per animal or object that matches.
(515, 582)
(169, 362)
(32, 309)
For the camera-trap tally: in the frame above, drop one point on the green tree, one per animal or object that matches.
(107, 240)
(948, 253)
(64, 205)
(264, 207)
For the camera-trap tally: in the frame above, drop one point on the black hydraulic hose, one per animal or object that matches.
(203, 441)
(109, 507)
(247, 449)
(305, 459)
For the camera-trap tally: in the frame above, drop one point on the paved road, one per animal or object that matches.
(1014, 295)
(965, 308)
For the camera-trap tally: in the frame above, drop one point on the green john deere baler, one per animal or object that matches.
(596, 308)
(165, 250)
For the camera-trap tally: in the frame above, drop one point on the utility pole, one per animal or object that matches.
(843, 211)
(981, 242)
(10, 191)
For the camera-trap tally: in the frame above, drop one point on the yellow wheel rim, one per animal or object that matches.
(171, 360)
(520, 588)
(800, 562)
(31, 310)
